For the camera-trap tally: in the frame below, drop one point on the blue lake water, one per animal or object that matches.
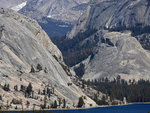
(135, 108)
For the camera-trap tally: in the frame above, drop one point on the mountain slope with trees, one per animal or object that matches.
(112, 49)
(32, 72)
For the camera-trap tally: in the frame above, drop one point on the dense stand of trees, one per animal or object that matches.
(73, 50)
(28, 92)
(80, 70)
(119, 88)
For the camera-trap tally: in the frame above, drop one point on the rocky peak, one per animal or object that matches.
(113, 14)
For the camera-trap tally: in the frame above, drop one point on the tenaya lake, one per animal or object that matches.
(133, 108)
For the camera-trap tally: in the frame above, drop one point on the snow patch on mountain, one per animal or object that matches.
(10, 3)
(20, 6)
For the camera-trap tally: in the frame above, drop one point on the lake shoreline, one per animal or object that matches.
(102, 106)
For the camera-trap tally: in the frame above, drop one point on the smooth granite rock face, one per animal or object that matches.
(23, 43)
(115, 53)
(112, 14)
(118, 54)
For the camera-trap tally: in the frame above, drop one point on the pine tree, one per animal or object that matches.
(1, 97)
(39, 67)
(32, 69)
(64, 103)
(45, 101)
(54, 105)
(6, 87)
(45, 70)
(29, 89)
(81, 102)
(16, 88)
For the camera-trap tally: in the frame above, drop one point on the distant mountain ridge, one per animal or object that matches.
(50, 13)
(113, 14)
(62, 10)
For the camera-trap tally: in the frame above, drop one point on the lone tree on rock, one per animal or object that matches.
(81, 102)
(6, 87)
(39, 67)
(54, 105)
(29, 89)
(32, 69)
